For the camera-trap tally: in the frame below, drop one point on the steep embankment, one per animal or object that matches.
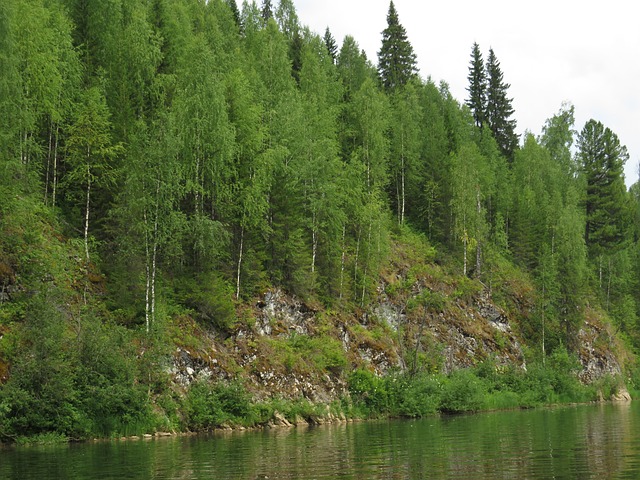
(71, 368)
(422, 319)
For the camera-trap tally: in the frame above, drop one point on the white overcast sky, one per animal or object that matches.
(584, 52)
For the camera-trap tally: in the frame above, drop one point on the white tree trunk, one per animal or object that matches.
(55, 167)
(154, 254)
(366, 265)
(314, 244)
(343, 257)
(402, 173)
(239, 263)
(355, 267)
(147, 291)
(86, 213)
(478, 242)
(48, 172)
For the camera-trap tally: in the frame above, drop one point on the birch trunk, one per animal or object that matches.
(147, 291)
(154, 255)
(239, 263)
(48, 171)
(366, 265)
(314, 244)
(402, 174)
(478, 242)
(355, 268)
(543, 322)
(88, 204)
(342, 259)
(55, 167)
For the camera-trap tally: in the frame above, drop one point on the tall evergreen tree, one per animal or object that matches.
(602, 160)
(267, 10)
(396, 58)
(332, 46)
(499, 109)
(234, 10)
(477, 88)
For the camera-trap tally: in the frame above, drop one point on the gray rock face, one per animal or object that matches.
(278, 308)
(461, 335)
(596, 361)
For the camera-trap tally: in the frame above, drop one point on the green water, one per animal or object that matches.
(581, 442)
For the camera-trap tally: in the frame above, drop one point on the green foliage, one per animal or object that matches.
(207, 405)
(324, 352)
(416, 396)
(369, 392)
(396, 59)
(499, 108)
(431, 301)
(486, 386)
(309, 354)
(602, 158)
(210, 298)
(462, 392)
(477, 89)
(466, 289)
(194, 156)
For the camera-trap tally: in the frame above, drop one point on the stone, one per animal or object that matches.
(622, 396)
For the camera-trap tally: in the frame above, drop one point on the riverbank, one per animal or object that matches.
(486, 387)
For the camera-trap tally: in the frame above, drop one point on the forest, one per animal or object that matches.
(163, 159)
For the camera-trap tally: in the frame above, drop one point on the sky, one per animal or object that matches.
(583, 52)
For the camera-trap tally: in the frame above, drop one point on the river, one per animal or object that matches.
(581, 442)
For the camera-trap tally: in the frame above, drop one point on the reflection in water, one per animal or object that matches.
(575, 442)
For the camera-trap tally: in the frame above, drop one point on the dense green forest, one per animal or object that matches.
(170, 158)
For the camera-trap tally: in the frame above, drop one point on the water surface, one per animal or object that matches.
(597, 441)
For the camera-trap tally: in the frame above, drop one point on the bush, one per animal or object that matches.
(462, 392)
(212, 405)
(368, 392)
(211, 299)
(324, 352)
(415, 396)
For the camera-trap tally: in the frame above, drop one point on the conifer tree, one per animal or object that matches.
(332, 46)
(396, 58)
(602, 159)
(499, 109)
(267, 10)
(234, 10)
(477, 88)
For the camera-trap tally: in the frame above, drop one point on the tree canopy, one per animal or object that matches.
(396, 58)
(165, 163)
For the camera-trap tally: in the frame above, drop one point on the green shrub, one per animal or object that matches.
(462, 392)
(210, 298)
(369, 392)
(466, 289)
(415, 396)
(210, 405)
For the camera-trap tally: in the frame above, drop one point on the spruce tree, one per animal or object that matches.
(332, 46)
(267, 10)
(499, 109)
(477, 86)
(234, 10)
(396, 59)
(602, 159)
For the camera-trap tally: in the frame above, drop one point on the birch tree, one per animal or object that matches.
(469, 170)
(90, 151)
(405, 149)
